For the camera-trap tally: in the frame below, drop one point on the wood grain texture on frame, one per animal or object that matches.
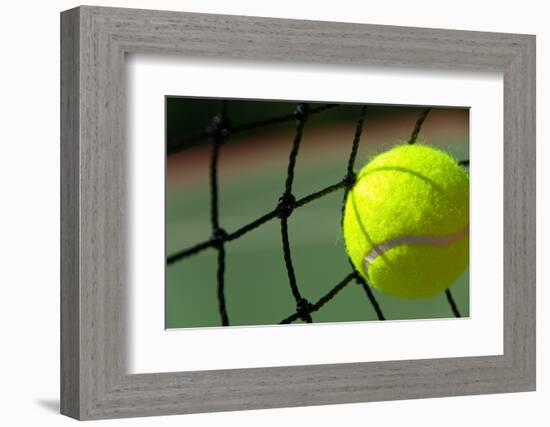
(94, 41)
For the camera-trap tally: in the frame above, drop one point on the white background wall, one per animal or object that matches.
(29, 225)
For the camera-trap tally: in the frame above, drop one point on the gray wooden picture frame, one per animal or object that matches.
(94, 382)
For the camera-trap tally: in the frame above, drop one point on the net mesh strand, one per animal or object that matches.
(218, 132)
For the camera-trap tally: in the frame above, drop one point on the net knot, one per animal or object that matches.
(303, 309)
(350, 179)
(359, 280)
(286, 205)
(301, 112)
(219, 127)
(218, 237)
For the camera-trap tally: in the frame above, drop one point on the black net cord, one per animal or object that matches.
(222, 306)
(370, 295)
(452, 303)
(286, 206)
(347, 183)
(220, 133)
(322, 301)
(350, 179)
(418, 125)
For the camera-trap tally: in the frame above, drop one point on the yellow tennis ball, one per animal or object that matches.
(406, 221)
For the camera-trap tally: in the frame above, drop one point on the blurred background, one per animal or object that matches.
(252, 170)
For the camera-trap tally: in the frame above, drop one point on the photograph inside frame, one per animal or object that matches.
(288, 212)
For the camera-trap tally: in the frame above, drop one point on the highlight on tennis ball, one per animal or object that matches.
(300, 212)
(406, 221)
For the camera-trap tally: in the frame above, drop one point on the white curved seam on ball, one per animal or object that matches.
(382, 248)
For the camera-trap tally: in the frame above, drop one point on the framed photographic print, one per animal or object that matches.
(263, 213)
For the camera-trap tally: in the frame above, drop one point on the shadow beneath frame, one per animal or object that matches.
(51, 405)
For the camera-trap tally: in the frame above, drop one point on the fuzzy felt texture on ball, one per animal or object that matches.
(406, 221)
